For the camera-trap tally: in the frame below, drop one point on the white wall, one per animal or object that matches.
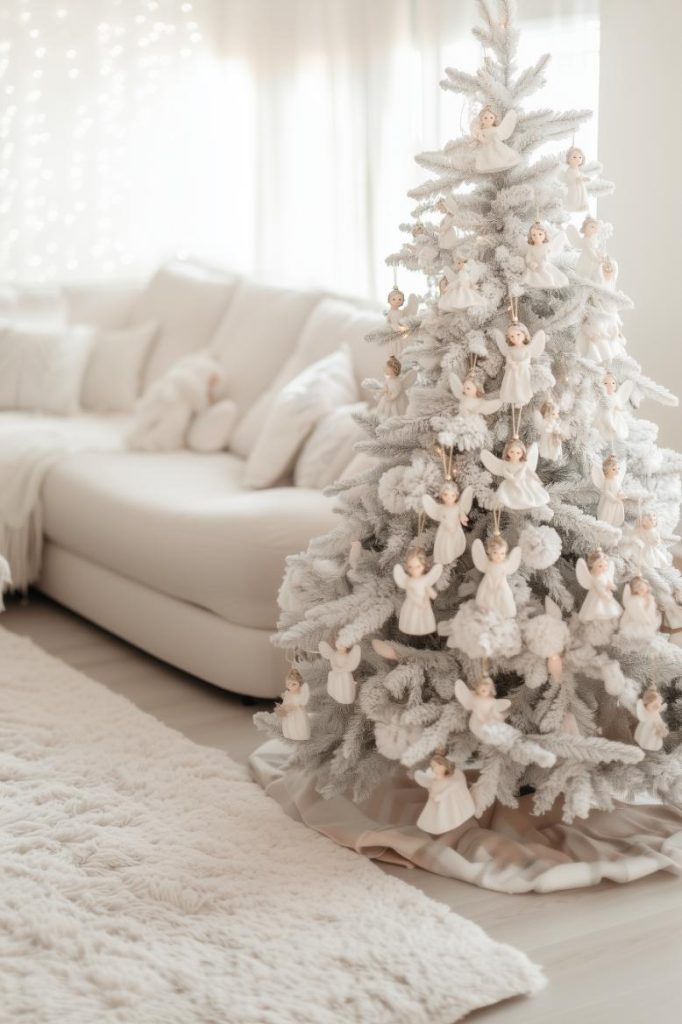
(640, 144)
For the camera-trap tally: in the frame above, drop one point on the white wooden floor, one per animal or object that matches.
(613, 955)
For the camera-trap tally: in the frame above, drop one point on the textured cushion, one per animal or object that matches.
(210, 430)
(107, 306)
(294, 412)
(331, 324)
(254, 340)
(114, 372)
(41, 369)
(329, 448)
(183, 524)
(188, 301)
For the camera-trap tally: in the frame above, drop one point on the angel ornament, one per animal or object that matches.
(521, 487)
(591, 258)
(424, 247)
(573, 178)
(399, 313)
(340, 682)
(518, 349)
(417, 580)
(449, 803)
(539, 253)
(447, 235)
(496, 563)
(651, 729)
(393, 398)
(641, 618)
(596, 577)
(458, 291)
(649, 545)
(492, 155)
(608, 480)
(472, 399)
(548, 425)
(451, 513)
(486, 709)
(292, 710)
(612, 421)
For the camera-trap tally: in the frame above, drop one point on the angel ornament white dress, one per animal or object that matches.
(577, 200)
(486, 709)
(425, 248)
(472, 397)
(292, 710)
(539, 253)
(591, 258)
(340, 682)
(648, 543)
(651, 729)
(612, 421)
(417, 580)
(393, 398)
(521, 487)
(548, 425)
(518, 348)
(449, 803)
(451, 513)
(496, 563)
(399, 312)
(641, 618)
(447, 235)
(596, 577)
(459, 291)
(492, 155)
(608, 479)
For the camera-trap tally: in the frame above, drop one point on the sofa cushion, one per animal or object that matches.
(182, 523)
(331, 324)
(255, 338)
(108, 306)
(330, 447)
(188, 301)
(41, 368)
(114, 371)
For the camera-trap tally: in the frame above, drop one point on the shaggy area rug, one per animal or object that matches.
(147, 880)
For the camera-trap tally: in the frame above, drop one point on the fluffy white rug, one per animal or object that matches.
(147, 880)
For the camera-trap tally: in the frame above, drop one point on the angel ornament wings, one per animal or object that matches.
(612, 421)
(449, 803)
(458, 291)
(651, 729)
(496, 563)
(492, 155)
(340, 682)
(575, 181)
(521, 487)
(451, 513)
(292, 710)
(399, 312)
(641, 618)
(608, 479)
(417, 580)
(539, 253)
(591, 258)
(486, 709)
(596, 577)
(471, 396)
(392, 394)
(518, 349)
(447, 235)
(548, 425)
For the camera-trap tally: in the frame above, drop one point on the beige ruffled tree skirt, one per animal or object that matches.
(506, 850)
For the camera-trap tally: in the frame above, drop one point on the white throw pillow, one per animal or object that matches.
(41, 370)
(101, 304)
(210, 430)
(294, 412)
(329, 448)
(113, 376)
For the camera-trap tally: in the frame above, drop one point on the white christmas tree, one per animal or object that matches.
(494, 595)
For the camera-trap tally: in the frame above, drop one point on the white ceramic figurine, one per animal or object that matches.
(608, 479)
(612, 421)
(548, 425)
(472, 397)
(489, 137)
(574, 179)
(486, 709)
(521, 487)
(449, 803)
(459, 291)
(340, 682)
(416, 579)
(596, 577)
(518, 348)
(651, 729)
(496, 563)
(292, 710)
(539, 253)
(641, 618)
(451, 513)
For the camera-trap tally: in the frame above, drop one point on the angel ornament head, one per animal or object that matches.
(609, 480)
(400, 313)
(417, 580)
(575, 180)
(341, 685)
(393, 399)
(641, 618)
(539, 254)
(548, 425)
(451, 513)
(487, 711)
(496, 563)
(518, 348)
(612, 420)
(459, 290)
(471, 396)
(651, 729)
(520, 487)
(488, 136)
(449, 803)
(292, 710)
(596, 576)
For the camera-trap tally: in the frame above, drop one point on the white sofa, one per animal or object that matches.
(170, 550)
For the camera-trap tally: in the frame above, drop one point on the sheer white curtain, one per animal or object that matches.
(276, 136)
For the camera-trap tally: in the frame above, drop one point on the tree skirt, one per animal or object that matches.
(507, 850)
(145, 878)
